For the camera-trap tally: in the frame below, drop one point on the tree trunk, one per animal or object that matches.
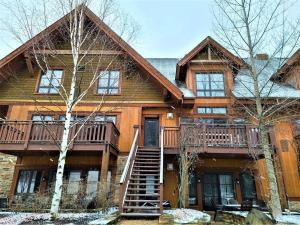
(274, 202)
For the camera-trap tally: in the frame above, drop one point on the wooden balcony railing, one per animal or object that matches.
(51, 132)
(208, 135)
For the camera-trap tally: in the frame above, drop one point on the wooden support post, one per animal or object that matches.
(28, 62)
(103, 178)
(27, 135)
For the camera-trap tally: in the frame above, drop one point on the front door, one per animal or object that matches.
(151, 132)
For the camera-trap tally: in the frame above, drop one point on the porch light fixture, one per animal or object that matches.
(170, 115)
(170, 167)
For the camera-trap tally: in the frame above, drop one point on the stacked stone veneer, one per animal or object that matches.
(120, 168)
(7, 165)
(294, 205)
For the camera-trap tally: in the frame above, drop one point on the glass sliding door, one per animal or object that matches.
(218, 189)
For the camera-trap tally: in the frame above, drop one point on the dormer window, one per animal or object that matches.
(50, 82)
(108, 83)
(210, 85)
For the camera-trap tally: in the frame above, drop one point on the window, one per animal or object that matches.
(106, 118)
(92, 183)
(73, 182)
(50, 82)
(28, 182)
(212, 110)
(192, 190)
(248, 186)
(213, 121)
(210, 84)
(73, 118)
(42, 118)
(108, 83)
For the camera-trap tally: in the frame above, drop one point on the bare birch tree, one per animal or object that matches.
(82, 37)
(247, 28)
(189, 143)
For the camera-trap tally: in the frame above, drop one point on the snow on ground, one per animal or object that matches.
(292, 218)
(15, 218)
(187, 215)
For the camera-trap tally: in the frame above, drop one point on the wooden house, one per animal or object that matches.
(134, 147)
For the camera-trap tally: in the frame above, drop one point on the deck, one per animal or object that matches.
(19, 137)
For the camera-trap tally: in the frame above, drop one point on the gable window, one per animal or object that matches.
(212, 110)
(108, 83)
(50, 82)
(28, 182)
(210, 85)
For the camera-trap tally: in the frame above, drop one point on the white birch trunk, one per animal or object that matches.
(63, 151)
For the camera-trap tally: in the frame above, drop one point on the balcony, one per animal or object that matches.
(18, 137)
(214, 139)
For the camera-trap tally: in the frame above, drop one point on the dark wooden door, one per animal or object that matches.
(151, 132)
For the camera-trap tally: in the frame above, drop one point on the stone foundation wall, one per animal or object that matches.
(120, 167)
(232, 219)
(7, 165)
(294, 205)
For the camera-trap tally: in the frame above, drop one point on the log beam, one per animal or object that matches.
(69, 52)
(28, 62)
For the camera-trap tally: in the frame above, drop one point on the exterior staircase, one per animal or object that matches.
(141, 188)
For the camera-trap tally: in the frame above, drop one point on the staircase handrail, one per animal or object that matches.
(130, 157)
(161, 179)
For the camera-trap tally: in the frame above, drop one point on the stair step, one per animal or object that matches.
(148, 152)
(143, 200)
(143, 179)
(145, 174)
(142, 189)
(148, 166)
(144, 195)
(147, 159)
(148, 163)
(143, 184)
(140, 214)
(147, 156)
(141, 207)
(143, 170)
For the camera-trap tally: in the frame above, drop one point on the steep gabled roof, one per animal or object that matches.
(211, 42)
(111, 34)
(290, 62)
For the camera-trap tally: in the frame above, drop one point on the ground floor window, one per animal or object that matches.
(248, 186)
(192, 190)
(28, 181)
(217, 189)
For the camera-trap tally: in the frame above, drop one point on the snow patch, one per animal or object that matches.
(188, 215)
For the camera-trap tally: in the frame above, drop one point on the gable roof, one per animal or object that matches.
(207, 41)
(111, 34)
(290, 62)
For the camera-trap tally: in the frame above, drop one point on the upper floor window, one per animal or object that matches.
(108, 83)
(50, 82)
(42, 118)
(212, 110)
(106, 118)
(210, 84)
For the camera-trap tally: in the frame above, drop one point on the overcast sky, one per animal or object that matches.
(169, 28)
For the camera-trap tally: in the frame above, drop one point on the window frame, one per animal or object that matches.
(212, 110)
(37, 85)
(210, 90)
(108, 87)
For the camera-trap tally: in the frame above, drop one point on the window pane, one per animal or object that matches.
(102, 91)
(28, 182)
(103, 82)
(43, 90)
(42, 118)
(73, 182)
(113, 91)
(92, 182)
(219, 110)
(49, 80)
(114, 74)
